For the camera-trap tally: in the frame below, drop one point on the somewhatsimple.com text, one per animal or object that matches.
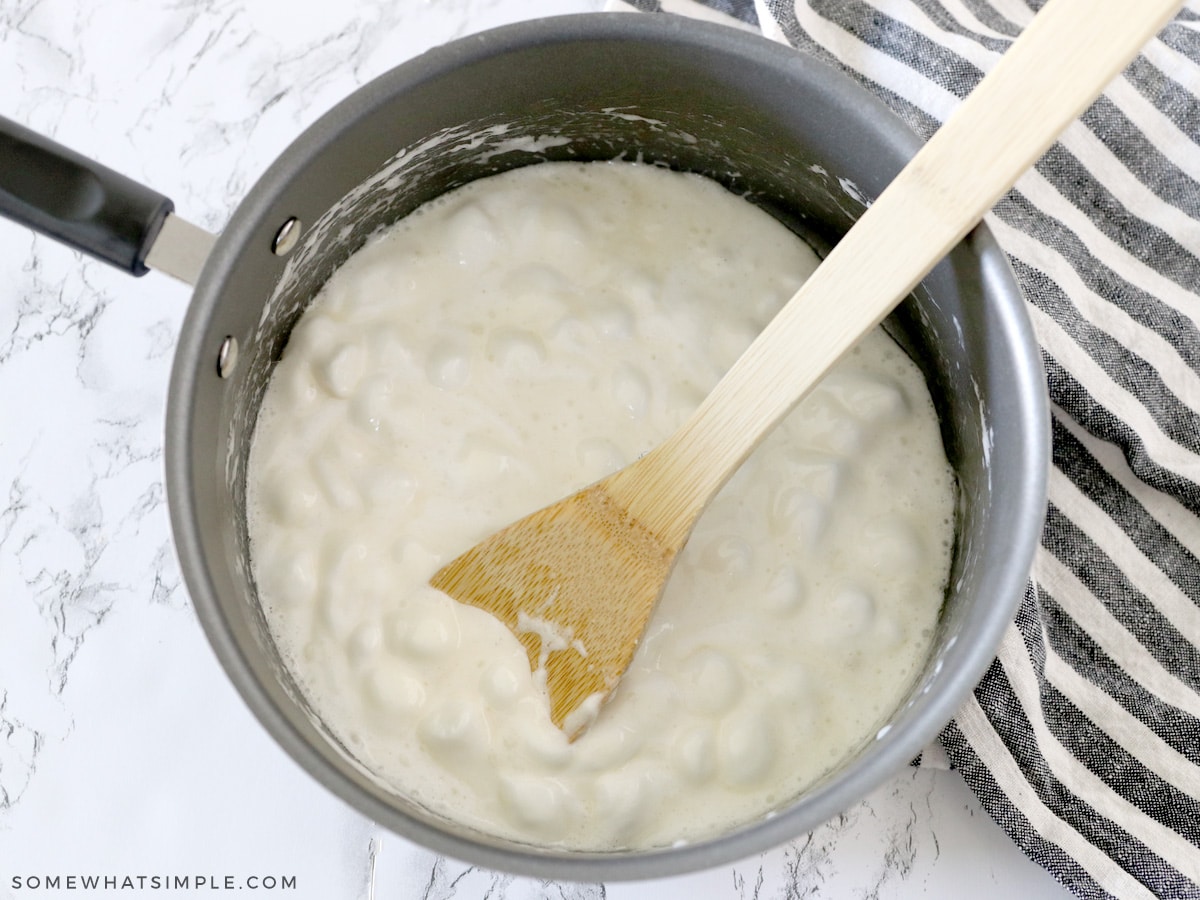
(152, 882)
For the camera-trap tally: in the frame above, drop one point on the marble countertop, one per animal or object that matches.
(124, 750)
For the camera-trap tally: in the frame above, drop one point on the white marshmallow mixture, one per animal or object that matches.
(508, 344)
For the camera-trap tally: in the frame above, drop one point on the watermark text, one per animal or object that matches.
(77, 882)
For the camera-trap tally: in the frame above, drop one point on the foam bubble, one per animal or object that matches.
(395, 691)
(713, 681)
(516, 349)
(531, 801)
(448, 365)
(694, 754)
(746, 747)
(344, 369)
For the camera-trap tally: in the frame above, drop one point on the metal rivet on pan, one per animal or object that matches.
(286, 237)
(227, 357)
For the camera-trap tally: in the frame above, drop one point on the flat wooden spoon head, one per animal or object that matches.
(576, 582)
(587, 572)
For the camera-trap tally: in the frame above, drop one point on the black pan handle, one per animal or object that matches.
(79, 202)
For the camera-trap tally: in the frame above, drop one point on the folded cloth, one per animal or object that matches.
(1083, 739)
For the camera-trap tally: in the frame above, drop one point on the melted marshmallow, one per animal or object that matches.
(506, 345)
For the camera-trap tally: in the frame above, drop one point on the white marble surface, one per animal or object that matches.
(123, 748)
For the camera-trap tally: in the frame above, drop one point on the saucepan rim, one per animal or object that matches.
(192, 363)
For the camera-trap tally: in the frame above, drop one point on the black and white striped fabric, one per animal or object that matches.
(1083, 739)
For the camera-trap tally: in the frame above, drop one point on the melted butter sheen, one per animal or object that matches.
(508, 344)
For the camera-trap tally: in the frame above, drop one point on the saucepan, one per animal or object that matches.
(776, 126)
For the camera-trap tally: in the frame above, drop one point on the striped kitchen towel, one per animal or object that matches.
(1083, 739)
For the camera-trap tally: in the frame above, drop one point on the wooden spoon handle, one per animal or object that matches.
(1049, 75)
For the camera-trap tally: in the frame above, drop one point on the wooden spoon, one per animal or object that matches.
(577, 581)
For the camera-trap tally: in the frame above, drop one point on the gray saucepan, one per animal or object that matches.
(780, 127)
